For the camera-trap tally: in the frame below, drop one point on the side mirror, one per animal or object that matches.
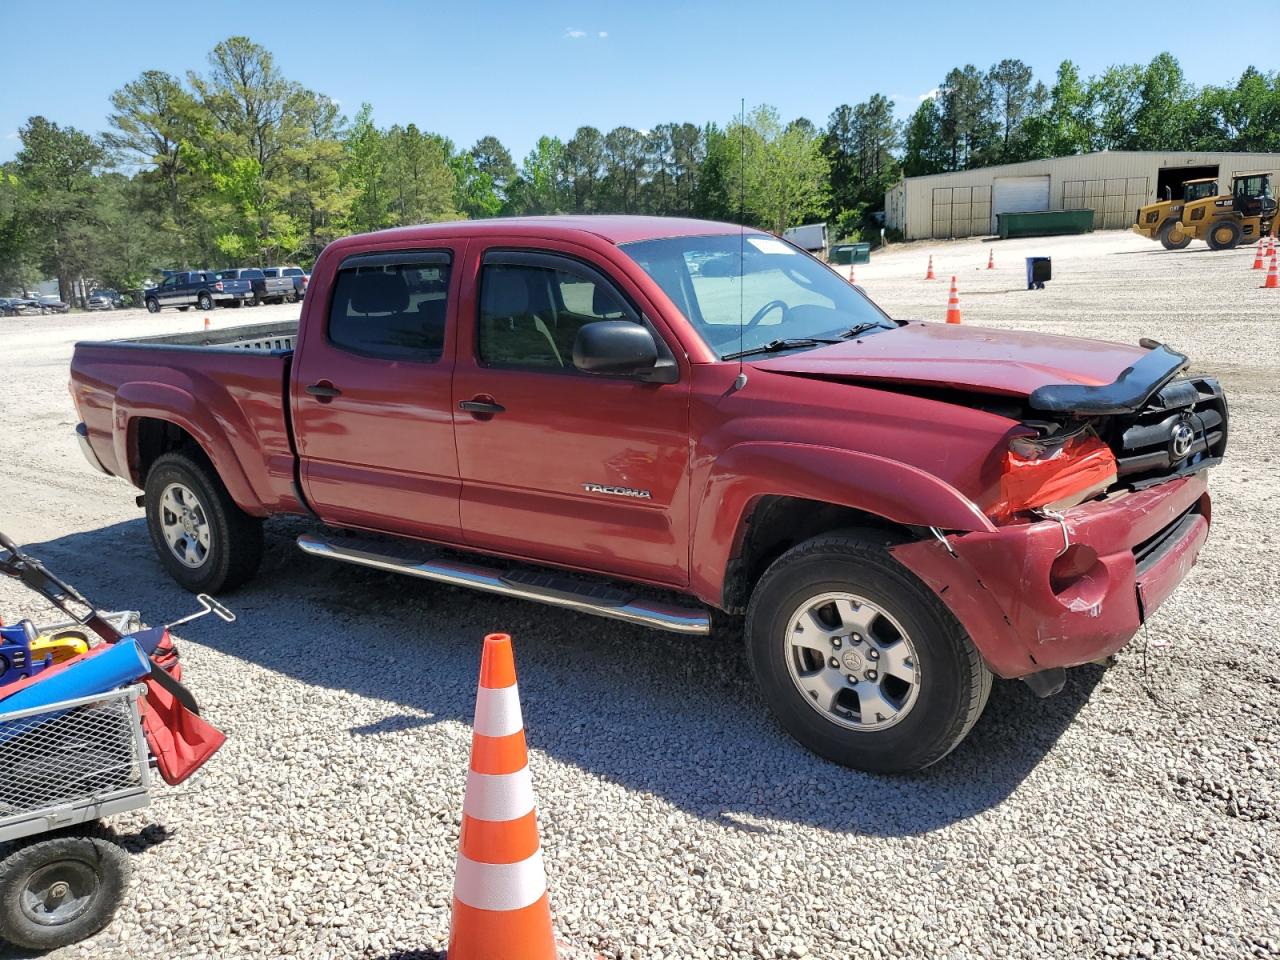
(617, 347)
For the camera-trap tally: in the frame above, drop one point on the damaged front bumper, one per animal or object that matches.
(1059, 593)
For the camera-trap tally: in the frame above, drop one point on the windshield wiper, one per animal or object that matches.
(858, 329)
(773, 346)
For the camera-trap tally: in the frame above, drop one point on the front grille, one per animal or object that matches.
(1143, 442)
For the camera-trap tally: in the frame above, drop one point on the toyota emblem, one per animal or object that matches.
(1181, 437)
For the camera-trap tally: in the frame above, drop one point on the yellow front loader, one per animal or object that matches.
(1160, 220)
(1243, 216)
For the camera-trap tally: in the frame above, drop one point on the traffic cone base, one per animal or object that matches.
(480, 934)
(500, 906)
(953, 304)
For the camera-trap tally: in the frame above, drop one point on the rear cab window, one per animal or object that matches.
(391, 305)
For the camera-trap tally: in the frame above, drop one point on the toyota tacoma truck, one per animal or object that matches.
(656, 420)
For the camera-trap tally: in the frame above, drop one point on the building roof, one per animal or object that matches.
(1172, 155)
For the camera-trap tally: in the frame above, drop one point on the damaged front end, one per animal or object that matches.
(1101, 511)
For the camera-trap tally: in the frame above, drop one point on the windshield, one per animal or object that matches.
(755, 282)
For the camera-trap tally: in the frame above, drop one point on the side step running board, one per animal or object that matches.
(601, 600)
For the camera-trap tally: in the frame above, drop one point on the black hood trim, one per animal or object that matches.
(1128, 394)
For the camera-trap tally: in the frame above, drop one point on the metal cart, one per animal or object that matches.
(63, 768)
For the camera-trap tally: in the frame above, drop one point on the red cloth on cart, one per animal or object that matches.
(180, 741)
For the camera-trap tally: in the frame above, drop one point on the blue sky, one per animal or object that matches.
(519, 70)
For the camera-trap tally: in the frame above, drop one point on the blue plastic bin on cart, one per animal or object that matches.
(120, 664)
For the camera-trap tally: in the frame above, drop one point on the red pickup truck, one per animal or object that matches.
(654, 419)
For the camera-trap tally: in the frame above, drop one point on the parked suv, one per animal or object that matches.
(198, 288)
(105, 300)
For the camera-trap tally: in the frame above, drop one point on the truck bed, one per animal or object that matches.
(226, 388)
(276, 338)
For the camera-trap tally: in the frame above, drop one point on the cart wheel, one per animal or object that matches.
(61, 890)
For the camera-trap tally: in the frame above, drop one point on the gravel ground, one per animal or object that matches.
(1135, 814)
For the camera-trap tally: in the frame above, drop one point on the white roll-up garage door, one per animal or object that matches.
(1019, 195)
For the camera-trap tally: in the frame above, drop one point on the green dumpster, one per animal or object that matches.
(1044, 223)
(844, 254)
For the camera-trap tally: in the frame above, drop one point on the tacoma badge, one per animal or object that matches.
(617, 491)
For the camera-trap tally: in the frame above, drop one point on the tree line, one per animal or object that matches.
(239, 165)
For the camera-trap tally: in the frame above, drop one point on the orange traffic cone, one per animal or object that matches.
(929, 275)
(1257, 257)
(991, 259)
(1273, 278)
(206, 323)
(500, 906)
(953, 304)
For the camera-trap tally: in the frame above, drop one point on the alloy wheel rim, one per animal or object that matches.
(852, 661)
(185, 525)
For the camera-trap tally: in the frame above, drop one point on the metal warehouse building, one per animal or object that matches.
(1112, 184)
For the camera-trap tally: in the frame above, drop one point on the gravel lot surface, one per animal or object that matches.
(1135, 814)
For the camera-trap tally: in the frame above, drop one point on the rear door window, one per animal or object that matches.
(391, 305)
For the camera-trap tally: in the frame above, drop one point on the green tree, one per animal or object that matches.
(1113, 101)
(58, 198)
(540, 187)
(965, 108)
(419, 179)
(492, 159)
(364, 172)
(584, 169)
(924, 151)
(150, 119)
(624, 164)
(1165, 108)
(1013, 98)
(1064, 127)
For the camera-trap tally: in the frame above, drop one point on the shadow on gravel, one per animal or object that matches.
(676, 717)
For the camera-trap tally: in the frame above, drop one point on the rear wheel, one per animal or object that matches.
(206, 542)
(858, 660)
(204, 301)
(1171, 238)
(61, 890)
(1224, 235)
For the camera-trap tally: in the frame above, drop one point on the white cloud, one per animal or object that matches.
(930, 95)
(11, 136)
(603, 34)
(571, 33)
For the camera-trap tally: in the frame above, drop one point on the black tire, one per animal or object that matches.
(153, 305)
(204, 301)
(954, 682)
(96, 871)
(256, 301)
(1224, 235)
(1166, 233)
(235, 538)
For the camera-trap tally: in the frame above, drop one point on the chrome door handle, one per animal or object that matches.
(482, 406)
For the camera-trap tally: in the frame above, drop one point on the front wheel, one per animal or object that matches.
(61, 890)
(153, 305)
(859, 661)
(206, 542)
(1224, 235)
(1171, 238)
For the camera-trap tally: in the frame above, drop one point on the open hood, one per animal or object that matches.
(1054, 373)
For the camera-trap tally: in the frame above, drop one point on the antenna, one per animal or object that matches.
(741, 381)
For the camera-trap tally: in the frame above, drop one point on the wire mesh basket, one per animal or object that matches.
(72, 761)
